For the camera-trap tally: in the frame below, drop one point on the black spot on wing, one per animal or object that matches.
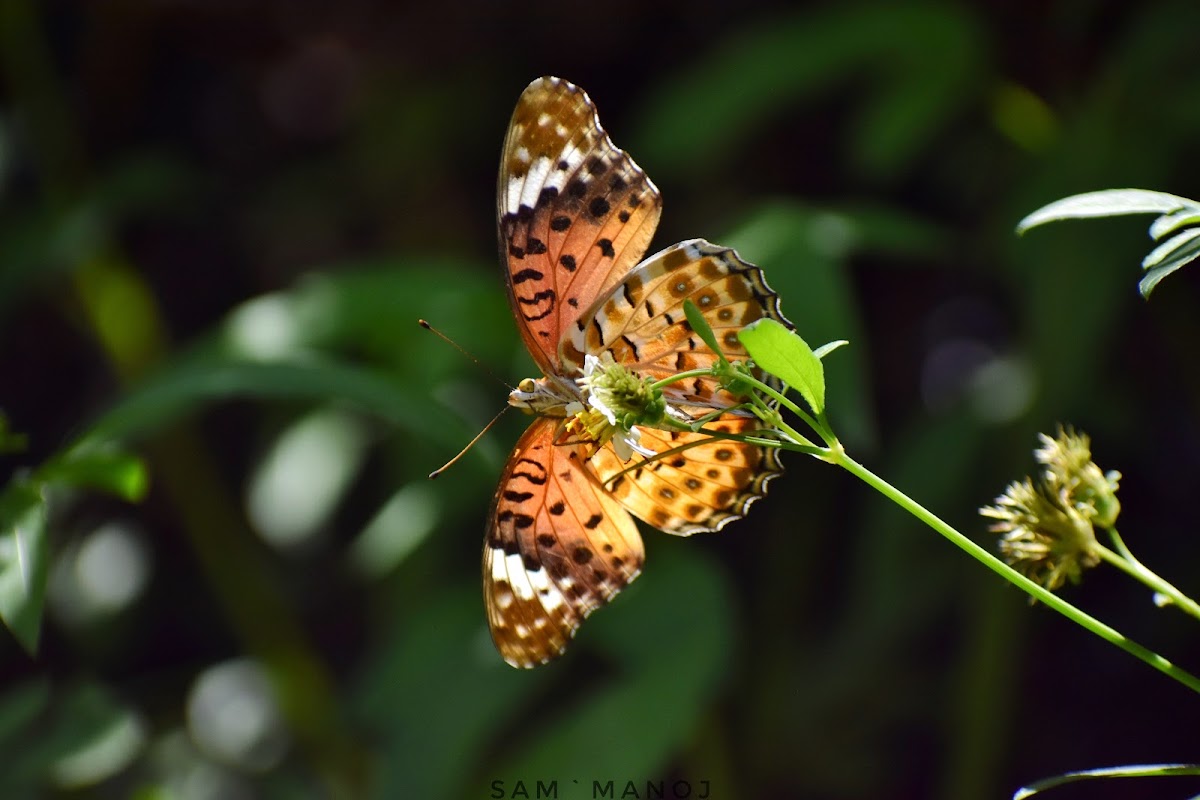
(531, 471)
(527, 274)
(546, 295)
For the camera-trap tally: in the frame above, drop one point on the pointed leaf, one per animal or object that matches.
(1169, 223)
(23, 563)
(784, 354)
(700, 325)
(829, 347)
(1168, 248)
(189, 384)
(114, 471)
(1108, 203)
(1180, 257)
(1131, 771)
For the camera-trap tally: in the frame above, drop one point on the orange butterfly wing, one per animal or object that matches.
(702, 488)
(558, 547)
(575, 213)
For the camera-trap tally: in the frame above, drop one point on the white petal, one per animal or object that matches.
(633, 440)
(621, 448)
(598, 404)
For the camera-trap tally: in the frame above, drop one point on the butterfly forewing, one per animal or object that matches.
(558, 547)
(575, 213)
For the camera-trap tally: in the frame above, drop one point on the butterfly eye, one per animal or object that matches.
(526, 385)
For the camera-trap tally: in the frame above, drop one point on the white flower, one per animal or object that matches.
(600, 424)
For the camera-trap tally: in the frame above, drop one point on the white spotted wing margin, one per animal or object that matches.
(558, 547)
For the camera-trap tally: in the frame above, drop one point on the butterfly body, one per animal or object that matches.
(548, 396)
(575, 215)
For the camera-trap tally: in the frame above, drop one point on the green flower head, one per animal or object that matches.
(1042, 534)
(1068, 461)
(1047, 527)
(617, 402)
(620, 394)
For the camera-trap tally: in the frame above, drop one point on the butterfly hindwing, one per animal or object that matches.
(641, 322)
(558, 547)
(575, 213)
(703, 487)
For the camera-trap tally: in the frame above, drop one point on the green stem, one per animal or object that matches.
(680, 376)
(1135, 569)
(775, 394)
(1051, 600)
(1119, 544)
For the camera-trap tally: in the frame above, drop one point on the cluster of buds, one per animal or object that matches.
(1047, 526)
(617, 402)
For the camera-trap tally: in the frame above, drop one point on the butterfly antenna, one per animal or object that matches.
(470, 444)
(463, 350)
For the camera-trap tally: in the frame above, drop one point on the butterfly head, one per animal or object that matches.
(545, 397)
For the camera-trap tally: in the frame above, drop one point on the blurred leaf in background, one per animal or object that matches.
(219, 225)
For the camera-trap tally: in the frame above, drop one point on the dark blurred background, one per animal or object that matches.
(220, 221)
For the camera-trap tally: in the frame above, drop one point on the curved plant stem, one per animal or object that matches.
(1109, 634)
(1125, 562)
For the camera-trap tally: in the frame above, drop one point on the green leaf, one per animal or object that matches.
(182, 389)
(1165, 250)
(1168, 257)
(784, 354)
(1169, 223)
(700, 325)
(23, 563)
(70, 736)
(1108, 203)
(1131, 771)
(117, 472)
(829, 347)
(96, 736)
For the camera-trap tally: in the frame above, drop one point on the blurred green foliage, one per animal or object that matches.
(219, 220)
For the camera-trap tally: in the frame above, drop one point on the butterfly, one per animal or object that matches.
(576, 215)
